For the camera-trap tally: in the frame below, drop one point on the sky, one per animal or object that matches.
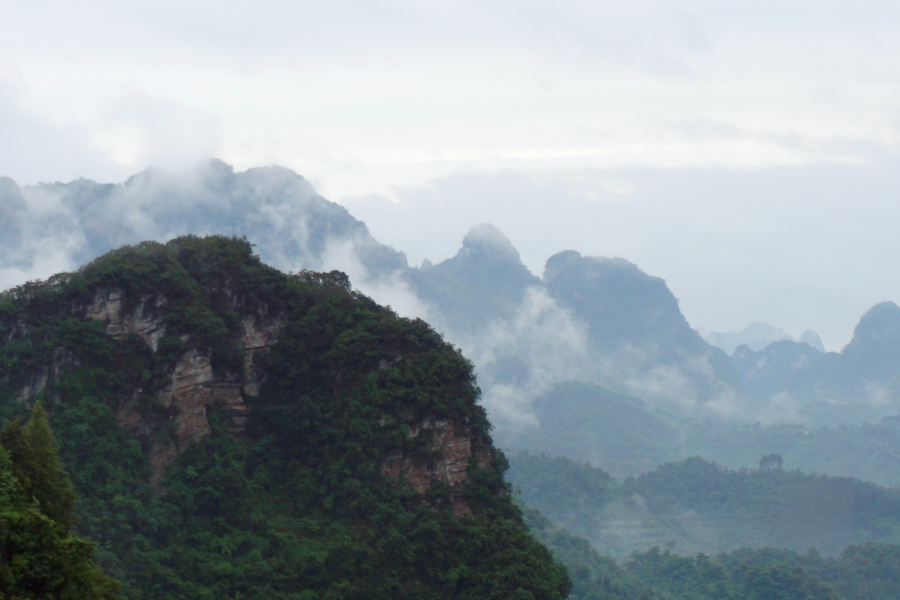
(746, 152)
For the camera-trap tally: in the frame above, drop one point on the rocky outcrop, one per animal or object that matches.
(144, 320)
(37, 383)
(451, 450)
(193, 387)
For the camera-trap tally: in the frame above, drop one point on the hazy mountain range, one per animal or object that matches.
(757, 336)
(594, 320)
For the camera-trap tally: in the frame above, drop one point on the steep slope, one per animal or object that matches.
(234, 431)
(485, 281)
(620, 302)
(862, 382)
(641, 342)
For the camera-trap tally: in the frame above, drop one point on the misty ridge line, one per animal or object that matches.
(597, 320)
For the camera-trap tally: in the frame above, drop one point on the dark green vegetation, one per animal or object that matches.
(299, 505)
(39, 558)
(698, 506)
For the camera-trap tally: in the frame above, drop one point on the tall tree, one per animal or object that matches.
(39, 558)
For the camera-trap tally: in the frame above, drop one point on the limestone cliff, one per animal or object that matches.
(191, 386)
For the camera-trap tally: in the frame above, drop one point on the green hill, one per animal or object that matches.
(235, 432)
(626, 437)
(699, 506)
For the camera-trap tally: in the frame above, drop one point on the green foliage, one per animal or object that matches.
(744, 575)
(39, 558)
(37, 467)
(299, 506)
(869, 570)
(699, 578)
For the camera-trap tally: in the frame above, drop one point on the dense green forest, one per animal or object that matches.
(299, 504)
(39, 557)
(699, 506)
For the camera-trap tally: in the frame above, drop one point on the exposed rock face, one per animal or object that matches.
(194, 387)
(62, 359)
(258, 333)
(452, 452)
(144, 320)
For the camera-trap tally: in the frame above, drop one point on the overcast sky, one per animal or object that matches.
(746, 152)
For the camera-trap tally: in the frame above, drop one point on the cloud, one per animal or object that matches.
(138, 129)
(518, 359)
(60, 226)
(31, 142)
(38, 236)
(388, 289)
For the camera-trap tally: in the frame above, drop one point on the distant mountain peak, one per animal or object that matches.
(812, 338)
(876, 318)
(876, 338)
(487, 240)
(756, 336)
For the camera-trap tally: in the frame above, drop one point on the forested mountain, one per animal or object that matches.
(482, 294)
(485, 281)
(39, 557)
(233, 431)
(699, 506)
(865, 372)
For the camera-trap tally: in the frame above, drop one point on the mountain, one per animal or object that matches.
(291, 225)
(641, 341)
(233, 431)
(769, 370)
(812, 339)
(485, 281)
(585, 319)
(755, 336)
(861, 383)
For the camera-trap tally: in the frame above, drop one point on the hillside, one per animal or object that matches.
(233, 431)
(698, 506)
(627, 437)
